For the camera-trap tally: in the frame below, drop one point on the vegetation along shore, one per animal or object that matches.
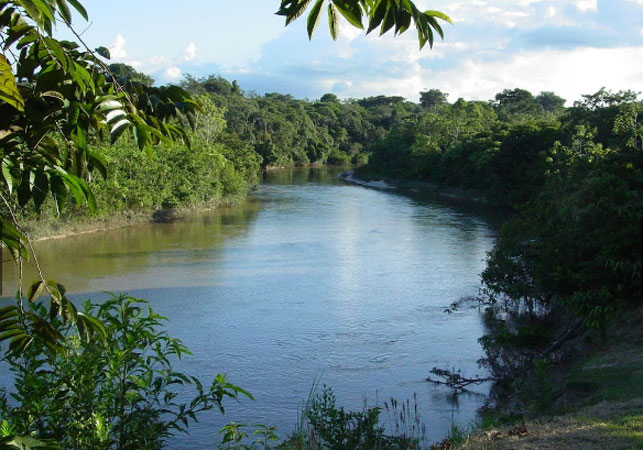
(87, 145)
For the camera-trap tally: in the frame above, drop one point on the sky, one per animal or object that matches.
(570, 47)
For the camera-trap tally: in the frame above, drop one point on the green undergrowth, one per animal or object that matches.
(591, 400)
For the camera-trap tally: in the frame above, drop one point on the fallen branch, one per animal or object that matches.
(456, 380)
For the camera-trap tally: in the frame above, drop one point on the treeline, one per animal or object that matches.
(235, 135)
(572, 177)
(286, 131)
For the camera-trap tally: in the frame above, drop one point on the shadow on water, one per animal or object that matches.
(76, 261)
(305, 175)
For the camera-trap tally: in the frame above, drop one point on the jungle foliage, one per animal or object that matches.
(77, 135)
(118, 390)
(572, 178)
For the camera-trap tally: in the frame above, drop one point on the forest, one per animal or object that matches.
(83, 140)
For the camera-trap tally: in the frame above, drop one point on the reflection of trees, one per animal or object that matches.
(124, 250)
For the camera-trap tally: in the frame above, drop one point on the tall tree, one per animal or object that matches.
(515, 103)
(433, 98)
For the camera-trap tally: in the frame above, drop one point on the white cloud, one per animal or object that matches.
(159, 60)
(172, 73)
(586, 5)
(569, 74)
(189, 54)
(117, 49)
(348, 32)
(551, 11)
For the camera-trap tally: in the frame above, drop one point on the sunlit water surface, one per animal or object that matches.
(311, 279)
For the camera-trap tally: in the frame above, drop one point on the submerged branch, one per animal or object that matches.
(455, 380)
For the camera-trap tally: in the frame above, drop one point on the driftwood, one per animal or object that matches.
(457, 381)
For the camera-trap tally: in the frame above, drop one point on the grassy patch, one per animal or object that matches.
(594, 385)
(626, 428)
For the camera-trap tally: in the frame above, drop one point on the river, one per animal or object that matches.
(310, 279)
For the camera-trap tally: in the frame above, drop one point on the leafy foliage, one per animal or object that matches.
(330, 427)
(382, 14)
(573, 179)
(117, 390)
(55, 96)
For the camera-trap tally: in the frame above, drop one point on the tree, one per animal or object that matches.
(55, 98)
(124, 73)
(515, 103)
(382, 14)
(433, 98)
(550, 102)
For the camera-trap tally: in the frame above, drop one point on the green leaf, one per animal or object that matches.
(402, 21)
(12, 238)
(17, 32)
(351, 11)
(98, 162)
(53, 94)
(389, 20)
(313, 18)
(8, 179)
(297, 10)
(64, 11)
(104, 52)
(59, 191)
(57, 52)
(439, 15)
(377, 15)
(8, 89)
(109, 105)
(115, 115)
(36, 289)
(72, 183)
(40, 189)
(332, 21)
(24, 188)
(79, 138)
(80, 8)
(436, 26)
(117, 129)
(91, 326)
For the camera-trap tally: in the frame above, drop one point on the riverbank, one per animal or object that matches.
(382, 182)
(591, 400)
(82, 222)
(56, 228)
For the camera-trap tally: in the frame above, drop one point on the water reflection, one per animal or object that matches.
(310, 278)
(93, 261)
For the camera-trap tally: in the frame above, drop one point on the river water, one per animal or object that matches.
(310, 279)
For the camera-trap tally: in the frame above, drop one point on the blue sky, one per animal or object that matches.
(571, 47)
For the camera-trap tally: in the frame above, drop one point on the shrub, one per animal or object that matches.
(114, 392)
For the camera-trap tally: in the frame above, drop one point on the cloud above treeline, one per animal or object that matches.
(571, 47)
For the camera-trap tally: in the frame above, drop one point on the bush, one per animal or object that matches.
(326, 426)
(114, 392)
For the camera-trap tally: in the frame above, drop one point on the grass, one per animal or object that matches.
(601, 395)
